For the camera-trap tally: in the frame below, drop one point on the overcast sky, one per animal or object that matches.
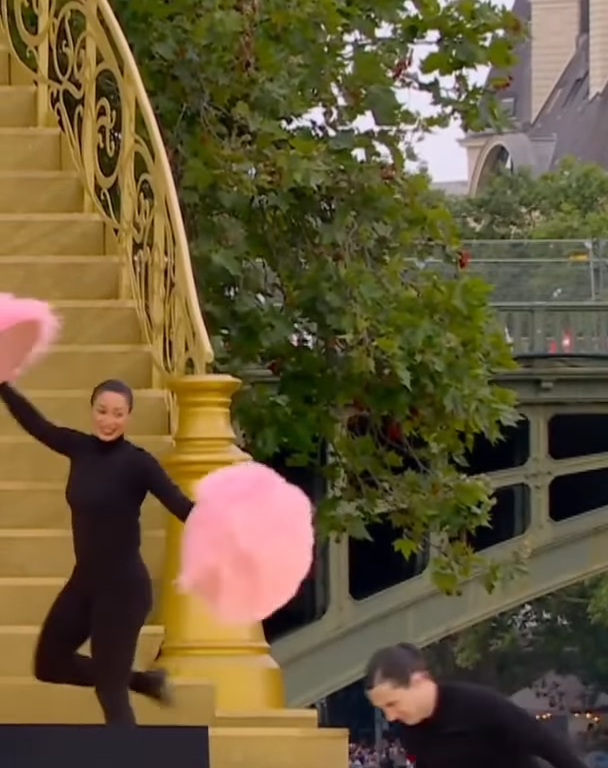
(446, 160)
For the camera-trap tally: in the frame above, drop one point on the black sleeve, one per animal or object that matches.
(59, 439)
(530, 735)
(160, 485)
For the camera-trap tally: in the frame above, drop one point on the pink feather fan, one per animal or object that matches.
(247, 544)
(28, 327)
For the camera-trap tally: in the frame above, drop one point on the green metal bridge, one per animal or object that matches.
(550, 477)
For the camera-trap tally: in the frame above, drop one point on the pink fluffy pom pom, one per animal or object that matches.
(28, 327)
(247, 544)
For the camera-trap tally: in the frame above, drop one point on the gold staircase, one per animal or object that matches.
(50, 248)
(103, 240)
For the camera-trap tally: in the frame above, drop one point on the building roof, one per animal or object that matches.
(569, 123)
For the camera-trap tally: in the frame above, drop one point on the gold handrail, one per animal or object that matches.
(88, 81)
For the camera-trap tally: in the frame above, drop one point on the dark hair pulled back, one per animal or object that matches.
(117, 387)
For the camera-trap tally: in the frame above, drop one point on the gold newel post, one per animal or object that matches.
(196, 647)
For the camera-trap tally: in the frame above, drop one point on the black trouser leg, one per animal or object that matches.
(118, 613)
(66, 627)
(69, 624)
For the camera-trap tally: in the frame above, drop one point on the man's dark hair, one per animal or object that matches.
(395, 665)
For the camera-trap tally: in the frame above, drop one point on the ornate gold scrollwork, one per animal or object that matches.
(88, 82)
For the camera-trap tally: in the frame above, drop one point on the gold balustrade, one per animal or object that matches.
(88, 82)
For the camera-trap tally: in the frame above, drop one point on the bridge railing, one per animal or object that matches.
(551, 296)
(556, 328)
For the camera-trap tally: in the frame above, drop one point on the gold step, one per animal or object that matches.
(98, 322)
(71, 408)
(278, 747)
(83, 367)
(48, 552)
(30, 149)
(26, 600)
(43, 505)
(278, 718)
(61, 234)
(17, 645)
(55, 278)
(40, 192)
(17, 106)
(24, 460)
(25, 700)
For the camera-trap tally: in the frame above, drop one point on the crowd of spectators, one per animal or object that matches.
(388, 754)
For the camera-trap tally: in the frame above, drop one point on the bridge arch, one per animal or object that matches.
(330, 654)
(508, 151)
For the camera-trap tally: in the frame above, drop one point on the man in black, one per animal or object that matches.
(457, 725)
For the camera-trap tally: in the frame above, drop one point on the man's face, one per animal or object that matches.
(406, 704)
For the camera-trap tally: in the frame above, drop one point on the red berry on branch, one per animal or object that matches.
(464, 258)
(394, 432)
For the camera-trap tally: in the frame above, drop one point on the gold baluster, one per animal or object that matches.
(42, 92)
(196, 646)
(89, 117)
(131, 252)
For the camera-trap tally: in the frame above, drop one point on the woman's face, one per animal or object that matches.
(111, 413)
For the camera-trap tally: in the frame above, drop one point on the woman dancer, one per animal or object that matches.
(108, 596)
(458, 725)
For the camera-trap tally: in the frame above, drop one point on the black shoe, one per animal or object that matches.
(159, 683)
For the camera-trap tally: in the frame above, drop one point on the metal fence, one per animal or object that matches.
(551, 295)
(542, 270)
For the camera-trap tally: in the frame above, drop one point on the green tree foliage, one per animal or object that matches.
(564, 632)
(301, 229)
(555, 223)
(568, 203)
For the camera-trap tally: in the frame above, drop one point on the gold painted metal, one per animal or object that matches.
(196, 647)
(277, 748)
(88, 82)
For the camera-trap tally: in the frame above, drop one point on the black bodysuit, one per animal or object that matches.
(474, 727)
(108, 596)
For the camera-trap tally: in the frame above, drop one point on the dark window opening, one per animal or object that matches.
(375, 565)
(312, 599)
(572, 495)
(510, 517)
(508, 106)
(578, 434)
(512, 450)
(584, 17)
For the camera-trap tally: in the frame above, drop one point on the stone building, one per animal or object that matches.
(557, 100)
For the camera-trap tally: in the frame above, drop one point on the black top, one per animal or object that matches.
(474, 727)
(106, 487)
